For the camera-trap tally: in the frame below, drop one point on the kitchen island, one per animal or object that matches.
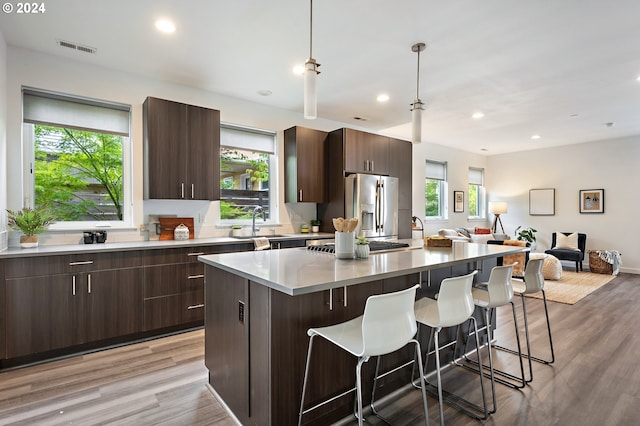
(259, 305)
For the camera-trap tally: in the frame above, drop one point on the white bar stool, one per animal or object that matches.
(533, 283)
(387, 325)
(488, 296)
(453, 307)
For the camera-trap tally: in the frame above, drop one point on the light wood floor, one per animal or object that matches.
(594, 381)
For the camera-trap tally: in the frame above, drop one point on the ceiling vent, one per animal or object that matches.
(76, 46)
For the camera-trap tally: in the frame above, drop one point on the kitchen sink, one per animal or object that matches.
(258, 236)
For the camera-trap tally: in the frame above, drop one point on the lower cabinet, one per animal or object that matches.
(256, 345)
(57, 311)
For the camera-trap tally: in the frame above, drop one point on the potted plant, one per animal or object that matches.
(31, 222)
(527, 234)
(236, 230)
(315, 225)
(362, 248)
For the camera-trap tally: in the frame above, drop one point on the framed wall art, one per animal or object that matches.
(592, 201)
(458, 201)
(542, 202)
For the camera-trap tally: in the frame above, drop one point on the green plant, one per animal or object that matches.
(236, 226)
(316, 222)
(30, 221)
(527, 234)
(361, 241)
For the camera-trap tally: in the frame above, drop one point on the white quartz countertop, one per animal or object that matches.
(49, 250)
(298, 271)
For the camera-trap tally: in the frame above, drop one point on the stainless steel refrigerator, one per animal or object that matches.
(374, 201)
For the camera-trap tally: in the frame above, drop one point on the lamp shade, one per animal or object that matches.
(416, 121)
(310, 90)
(498, 207)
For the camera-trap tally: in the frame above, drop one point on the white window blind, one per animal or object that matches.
(476, 176)
(436, 170)
(52, 109)
(246, 138)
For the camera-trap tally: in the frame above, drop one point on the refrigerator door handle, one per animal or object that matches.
(382, 206)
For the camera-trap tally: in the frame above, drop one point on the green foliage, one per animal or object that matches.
(30, 221)
(316, 222)
(67, 161)
(361, 241)
(527, 234)
(473, 200)
(432, 197)
(228, 210)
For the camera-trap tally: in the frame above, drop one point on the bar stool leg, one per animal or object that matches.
(546, 313)
(304, 381)
(439, 378)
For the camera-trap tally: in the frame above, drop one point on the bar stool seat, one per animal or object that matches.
(388, 324)
(454, 306)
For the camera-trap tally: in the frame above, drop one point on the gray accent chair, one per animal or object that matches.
(570, 255)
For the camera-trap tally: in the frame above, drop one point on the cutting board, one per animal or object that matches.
(168, 225)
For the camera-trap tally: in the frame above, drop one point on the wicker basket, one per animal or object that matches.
(598, 265)
(437, 241)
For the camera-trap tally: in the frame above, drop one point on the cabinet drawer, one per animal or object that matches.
(70, 264)
(167, 280)
(161, 312)
(174, 255)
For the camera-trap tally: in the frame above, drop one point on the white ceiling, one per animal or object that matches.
(558, 68)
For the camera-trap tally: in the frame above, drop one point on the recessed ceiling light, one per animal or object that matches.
(165, 26)
(382, 98)
(477, 115)
(535, 137)
(298, 69)
(638, 78)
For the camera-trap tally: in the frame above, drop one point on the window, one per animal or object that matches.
(476, 193)
(435, 190)
(247, 162)
(77, 153)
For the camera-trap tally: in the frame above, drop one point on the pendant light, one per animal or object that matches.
(417, 105)
(310, 76)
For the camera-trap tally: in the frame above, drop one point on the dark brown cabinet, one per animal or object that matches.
(304, 151)
(52, 311)
(365, 152)
(400, 166)
(181, 151)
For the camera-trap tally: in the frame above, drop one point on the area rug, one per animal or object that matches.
(573, 286)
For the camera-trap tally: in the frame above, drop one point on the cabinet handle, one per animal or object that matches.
(331, 299)
(73, 285)
(193, 277)
(182, 190)
(201, 305)
(195, 254)
(372, 166)
(84, 262)
(193, 191)
(300, 195)
(345, 296)
(366, 165)
(89, 283)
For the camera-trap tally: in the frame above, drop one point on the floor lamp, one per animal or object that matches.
(497, 208)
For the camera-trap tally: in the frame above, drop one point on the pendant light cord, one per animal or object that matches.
(311, 29)
(418, 77)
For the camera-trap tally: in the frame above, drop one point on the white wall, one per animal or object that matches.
(3, 143)
(611, 165)
(29, 68)
(458, 163)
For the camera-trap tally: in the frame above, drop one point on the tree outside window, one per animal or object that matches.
(78, 174)
(243, 175)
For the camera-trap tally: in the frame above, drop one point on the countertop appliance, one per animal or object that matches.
(374, 201)
(376, 246)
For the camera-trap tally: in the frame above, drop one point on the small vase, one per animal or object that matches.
(362, 251)
(28, 241)
(315, 228)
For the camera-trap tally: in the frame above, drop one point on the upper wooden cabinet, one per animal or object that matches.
(400, 166)
(304, 151)
(365, 152)
(181, 151)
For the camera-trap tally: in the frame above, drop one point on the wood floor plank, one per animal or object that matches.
(594, 380)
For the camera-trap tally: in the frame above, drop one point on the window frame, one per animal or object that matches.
(28, 140)
(274, 215)
(480, 194)
(443, 200)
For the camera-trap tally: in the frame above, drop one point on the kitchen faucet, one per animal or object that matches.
(256, 210)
